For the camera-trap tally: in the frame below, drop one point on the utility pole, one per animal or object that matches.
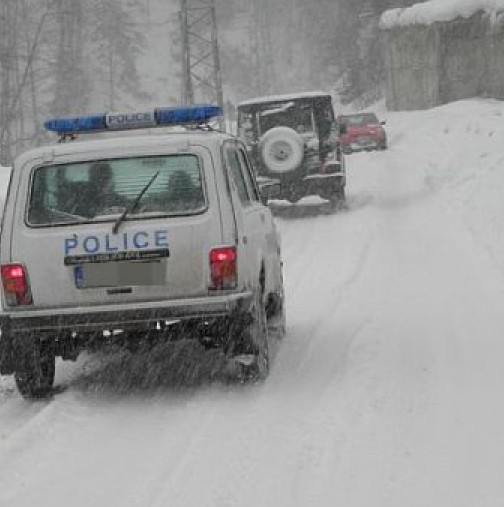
(201, 70)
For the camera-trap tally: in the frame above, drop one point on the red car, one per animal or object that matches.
(363, 132)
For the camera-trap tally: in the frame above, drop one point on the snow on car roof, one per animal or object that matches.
(432, 11)
(124, 142)
(281, 98)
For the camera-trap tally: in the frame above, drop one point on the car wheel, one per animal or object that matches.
(282, 150)
(249, 347)
(35, 368)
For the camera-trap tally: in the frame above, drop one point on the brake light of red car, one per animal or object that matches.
(15, 283)
(223, 268)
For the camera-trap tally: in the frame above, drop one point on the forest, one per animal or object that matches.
(62, 57)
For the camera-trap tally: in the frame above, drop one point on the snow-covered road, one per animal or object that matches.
(388, 389)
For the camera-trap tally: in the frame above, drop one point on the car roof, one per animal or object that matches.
(127, 141)
(282, 98)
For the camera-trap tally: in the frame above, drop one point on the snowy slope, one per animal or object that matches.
(388, 389)
(459, 148)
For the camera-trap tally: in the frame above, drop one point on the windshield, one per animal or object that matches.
(102, 190)
(360, 120)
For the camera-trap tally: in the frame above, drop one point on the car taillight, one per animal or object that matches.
(223, 268)
(15, 283)
(331, 164)
(329, 168)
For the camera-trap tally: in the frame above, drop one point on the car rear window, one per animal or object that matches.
(360, 120)
(296, 116)
(101, 190)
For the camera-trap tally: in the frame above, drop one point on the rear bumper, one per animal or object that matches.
(134, 316)
(313, 184)
(368, 144)
(122, 316)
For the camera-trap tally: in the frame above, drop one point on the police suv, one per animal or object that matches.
(133, 238)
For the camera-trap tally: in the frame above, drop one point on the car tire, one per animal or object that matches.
(276, 315)
(282, 150)
(249, 346)
(35, 368)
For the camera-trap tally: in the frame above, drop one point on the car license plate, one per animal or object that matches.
(119, 274)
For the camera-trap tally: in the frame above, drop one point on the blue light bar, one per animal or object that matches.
(159, 117)
(74, 125)
(185, 115)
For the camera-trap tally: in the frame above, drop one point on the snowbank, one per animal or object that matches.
(459, 148)
(432, 11)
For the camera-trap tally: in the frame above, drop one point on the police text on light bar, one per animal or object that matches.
(159, 117)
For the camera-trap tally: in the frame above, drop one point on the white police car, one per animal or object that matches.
(132, 237)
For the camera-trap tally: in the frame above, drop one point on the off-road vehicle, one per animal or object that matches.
(294, 139)
(136, 238)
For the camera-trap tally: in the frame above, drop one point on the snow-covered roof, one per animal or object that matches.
(432, 11)
(118, 143)
(282, 98)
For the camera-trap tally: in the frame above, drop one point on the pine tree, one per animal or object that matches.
(116, 45)
(71, 80)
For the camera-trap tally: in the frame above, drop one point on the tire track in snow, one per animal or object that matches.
(241, 452)
(27, 424)
(233, 460)
(332, 303)
(321, 243)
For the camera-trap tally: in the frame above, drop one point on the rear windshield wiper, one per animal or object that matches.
(132, 207)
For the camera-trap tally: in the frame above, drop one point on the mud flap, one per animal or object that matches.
(6, 349)
(237, 339)
(248, 347)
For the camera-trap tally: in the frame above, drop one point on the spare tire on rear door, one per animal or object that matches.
(282, 150)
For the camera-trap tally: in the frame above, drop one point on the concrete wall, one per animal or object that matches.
(495, 64)
(428, 65)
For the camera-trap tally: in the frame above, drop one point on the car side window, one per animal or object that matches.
(237, 174)
(247, 171)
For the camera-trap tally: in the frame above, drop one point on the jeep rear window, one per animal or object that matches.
(101, 190)
(298, 117)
